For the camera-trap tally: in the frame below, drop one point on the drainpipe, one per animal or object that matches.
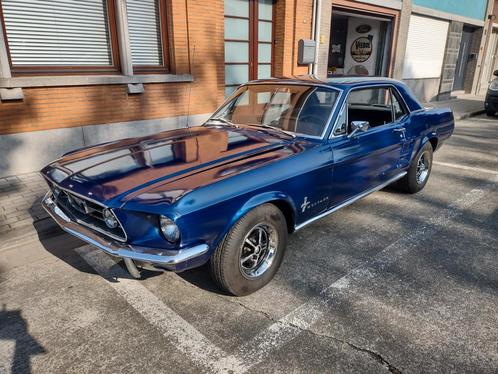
(318, 18)
(313, 21)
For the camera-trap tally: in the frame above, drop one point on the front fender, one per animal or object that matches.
(275, 197)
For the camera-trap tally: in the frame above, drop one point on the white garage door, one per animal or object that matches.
(425, 48)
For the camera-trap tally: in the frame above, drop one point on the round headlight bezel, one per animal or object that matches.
(169, 229)
(110, 219)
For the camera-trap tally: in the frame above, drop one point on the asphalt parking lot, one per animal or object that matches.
(395, 282)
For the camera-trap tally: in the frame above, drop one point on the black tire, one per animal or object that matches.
(225, 265)
(490, 113)
(412, 182)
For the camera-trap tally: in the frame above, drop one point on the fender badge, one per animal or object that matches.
(308, 204)
(305, 204)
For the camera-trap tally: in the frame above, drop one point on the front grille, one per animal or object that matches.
(86, 212)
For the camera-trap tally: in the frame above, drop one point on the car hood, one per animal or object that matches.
(111, 172)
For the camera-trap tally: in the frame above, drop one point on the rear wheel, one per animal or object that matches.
(490, 113)
(419, 171)
(251, 252)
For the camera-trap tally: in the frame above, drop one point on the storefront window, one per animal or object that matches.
(359, 44)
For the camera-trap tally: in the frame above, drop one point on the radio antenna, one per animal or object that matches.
(190, 86)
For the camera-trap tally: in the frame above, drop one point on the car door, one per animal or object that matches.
(366, 159)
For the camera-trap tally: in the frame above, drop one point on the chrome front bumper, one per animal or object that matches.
(167, 259)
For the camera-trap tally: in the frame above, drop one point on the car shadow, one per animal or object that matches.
(63, 246)
(201, 278)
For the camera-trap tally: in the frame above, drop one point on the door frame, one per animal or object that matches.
(366, 9)
(487, 72)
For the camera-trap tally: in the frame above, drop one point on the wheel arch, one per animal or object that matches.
(434, 142)
(281, 200)
(432, 139)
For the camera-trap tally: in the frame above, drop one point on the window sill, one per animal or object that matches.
(90, 80)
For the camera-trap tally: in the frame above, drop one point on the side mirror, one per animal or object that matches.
(495, 73)
(358, 126)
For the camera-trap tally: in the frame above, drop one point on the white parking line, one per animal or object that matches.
(283, 331)
(181, 333)
(206, 355)
(463, 167)
(7, 352)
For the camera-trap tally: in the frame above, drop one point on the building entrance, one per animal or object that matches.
(360, 44)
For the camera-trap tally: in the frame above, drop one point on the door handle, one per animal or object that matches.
(400, 129)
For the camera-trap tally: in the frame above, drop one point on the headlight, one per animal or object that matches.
(169, 229)
(109, 219)
(494, 85)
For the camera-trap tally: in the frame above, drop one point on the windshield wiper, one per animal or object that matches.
(274, 128)
(222, 120)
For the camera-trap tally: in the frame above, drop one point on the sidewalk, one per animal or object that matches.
(20, 198)
(463, 106)
(20, 195)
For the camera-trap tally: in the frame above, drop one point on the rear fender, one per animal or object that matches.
(428, 138)
(420, 144)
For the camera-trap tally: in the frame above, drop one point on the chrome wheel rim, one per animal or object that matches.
(423, 167)
(258, 250)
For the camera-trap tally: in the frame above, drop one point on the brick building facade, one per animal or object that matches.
(47, 112)
(74, 73)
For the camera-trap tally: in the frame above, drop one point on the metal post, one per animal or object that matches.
(317, 34)
(124, 38)
(313, 28)
(4, 58)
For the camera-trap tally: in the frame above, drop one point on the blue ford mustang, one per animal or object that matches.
(277, 155)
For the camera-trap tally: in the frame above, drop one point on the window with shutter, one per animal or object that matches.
(60, 35)
(147, 31)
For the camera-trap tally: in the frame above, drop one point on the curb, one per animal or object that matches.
(43, 229)
(469, 114)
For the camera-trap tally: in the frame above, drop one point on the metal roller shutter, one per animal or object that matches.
(425, 48)
(145, 32)
(57, 32)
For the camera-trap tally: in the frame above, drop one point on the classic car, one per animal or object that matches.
(276, 156)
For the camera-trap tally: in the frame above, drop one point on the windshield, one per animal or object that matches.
(299, 109)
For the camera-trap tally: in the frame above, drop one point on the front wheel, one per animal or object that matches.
(419, 171)
(251, 252)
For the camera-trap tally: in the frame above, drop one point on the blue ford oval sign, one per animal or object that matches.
(363, 29)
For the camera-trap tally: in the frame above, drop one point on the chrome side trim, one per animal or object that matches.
(350, 201)
(168, 259)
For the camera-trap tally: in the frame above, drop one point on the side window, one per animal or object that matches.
(399, 110)
(313, 116)
(342, 125)
(372, 105)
